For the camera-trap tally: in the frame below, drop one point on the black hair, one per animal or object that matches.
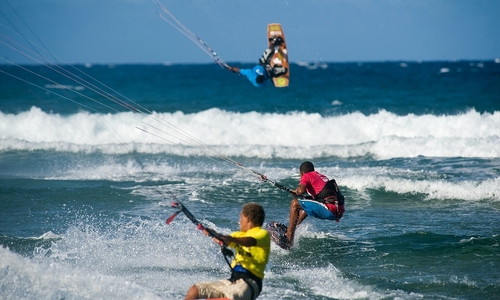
(306, 167)
(254, 212)
(260, 78)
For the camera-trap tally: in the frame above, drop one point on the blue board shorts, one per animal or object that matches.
(317, 209)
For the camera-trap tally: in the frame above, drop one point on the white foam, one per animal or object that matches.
(433, 189)
(23, 278)
(136, 258)
(382, 135)
(326, 282)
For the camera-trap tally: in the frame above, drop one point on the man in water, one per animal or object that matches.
(326, 200)
(252, 245)
(260, 73)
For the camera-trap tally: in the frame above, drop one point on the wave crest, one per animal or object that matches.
(381, 135)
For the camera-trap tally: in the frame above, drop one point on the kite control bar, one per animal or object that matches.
(212, 233)
(199, 225)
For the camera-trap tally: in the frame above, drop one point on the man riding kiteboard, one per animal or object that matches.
(263, 71)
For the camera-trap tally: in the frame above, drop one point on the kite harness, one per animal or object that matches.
(331, 196)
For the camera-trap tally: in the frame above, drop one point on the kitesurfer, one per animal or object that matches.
(263, 71)
(252, 245)
(321, 191)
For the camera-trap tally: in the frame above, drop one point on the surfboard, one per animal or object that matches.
(277, 231)
(276, 40)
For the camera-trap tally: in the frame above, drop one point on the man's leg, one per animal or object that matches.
(297, 215)
(266, 57)
(302, 216)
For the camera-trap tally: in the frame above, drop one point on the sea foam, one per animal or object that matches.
(382, 135)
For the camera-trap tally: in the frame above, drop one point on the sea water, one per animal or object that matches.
(87, 178)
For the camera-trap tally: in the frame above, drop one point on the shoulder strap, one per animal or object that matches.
(330, 193)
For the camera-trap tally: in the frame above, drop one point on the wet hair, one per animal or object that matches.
(254, 212)
(260, 78)
(306, 167)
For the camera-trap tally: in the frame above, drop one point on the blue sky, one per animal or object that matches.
(129, 31)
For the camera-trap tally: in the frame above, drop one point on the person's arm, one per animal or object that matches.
(234, 69)
(227, 239)
(301, 189)
(243, 241)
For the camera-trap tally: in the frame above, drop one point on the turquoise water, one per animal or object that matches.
(84, 194)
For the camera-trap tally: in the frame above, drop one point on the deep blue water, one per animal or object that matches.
(84, 193)
(402, 88)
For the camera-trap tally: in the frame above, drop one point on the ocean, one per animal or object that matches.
(92, 156)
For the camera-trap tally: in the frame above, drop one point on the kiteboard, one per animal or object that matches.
(277, 232)
(276, 40)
